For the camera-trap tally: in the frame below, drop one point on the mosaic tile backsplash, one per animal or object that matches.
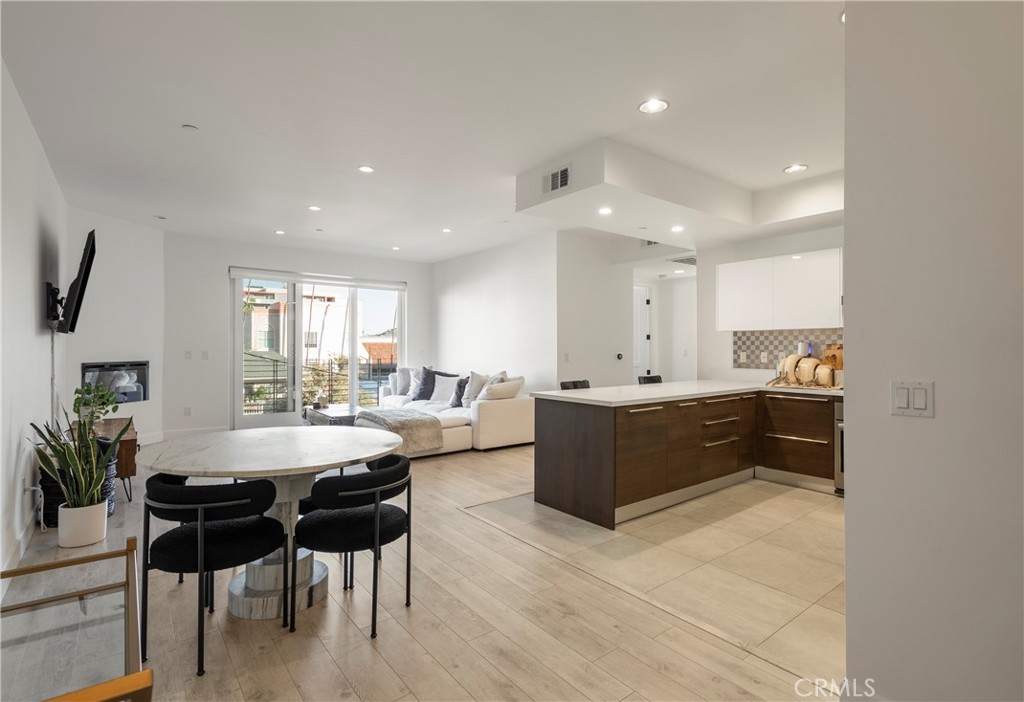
(778, 341)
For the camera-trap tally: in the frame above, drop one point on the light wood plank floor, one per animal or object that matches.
(492, 618)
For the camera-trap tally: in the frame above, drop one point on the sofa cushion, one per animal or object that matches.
(445, 387)
(442, 411)
(393, 401)
(476, 385)
(502, 391)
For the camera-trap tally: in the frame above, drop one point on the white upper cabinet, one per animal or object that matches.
(744, 295)
(797, 291)
(807, 290)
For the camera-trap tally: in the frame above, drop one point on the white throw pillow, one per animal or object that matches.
(393, 383)
(476, 384)
(404, 380)
(444, 388)
(502, 391)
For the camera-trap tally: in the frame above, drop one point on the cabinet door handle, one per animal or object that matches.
(687, 404)
(797, 397)
(721, 421)
(724, 399)
(645, 409)
(724, 441)
(797, 438)
(748, 397)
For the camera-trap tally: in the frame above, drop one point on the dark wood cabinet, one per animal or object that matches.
(796, 434)
(641, 442)
(684, 450)
(747, 429)
(592, 459)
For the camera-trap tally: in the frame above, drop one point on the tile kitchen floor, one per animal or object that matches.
(758, 564)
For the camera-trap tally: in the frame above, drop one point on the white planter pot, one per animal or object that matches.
(81, 526)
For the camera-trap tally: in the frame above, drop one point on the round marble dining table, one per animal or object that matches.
(291, 457)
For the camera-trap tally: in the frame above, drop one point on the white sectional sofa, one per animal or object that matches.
(485, 424)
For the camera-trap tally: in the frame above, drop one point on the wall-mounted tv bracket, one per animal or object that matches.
(54, 303)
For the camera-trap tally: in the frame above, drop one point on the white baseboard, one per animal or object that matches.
(28, 530)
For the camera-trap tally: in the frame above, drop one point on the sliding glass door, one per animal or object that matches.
(266, 331)
(304, 341)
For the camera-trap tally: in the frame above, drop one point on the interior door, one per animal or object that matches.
(641, 330)
(266, 334)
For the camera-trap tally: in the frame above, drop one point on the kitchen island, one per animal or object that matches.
(611, 454)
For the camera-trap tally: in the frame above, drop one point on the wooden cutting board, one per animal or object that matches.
(833, 356)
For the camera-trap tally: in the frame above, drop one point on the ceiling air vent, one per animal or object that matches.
(647, 242)
(687, 260)
(556, 180)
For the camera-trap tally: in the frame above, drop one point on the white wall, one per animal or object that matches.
(714, 356)
(594, 300)
(122, 316)
(933, 272)
(199, 308)
(675, 303)
(33, 243)
(495, 310)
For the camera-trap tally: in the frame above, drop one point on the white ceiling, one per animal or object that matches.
(449, 101)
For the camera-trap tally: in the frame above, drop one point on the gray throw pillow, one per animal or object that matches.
(477, 382)
(404, 380)
(460, 390)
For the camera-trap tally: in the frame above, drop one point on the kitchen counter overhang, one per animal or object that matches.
(622, 395)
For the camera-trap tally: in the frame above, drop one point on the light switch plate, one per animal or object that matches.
(911, 398)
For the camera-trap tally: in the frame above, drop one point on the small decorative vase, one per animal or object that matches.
(81, 526)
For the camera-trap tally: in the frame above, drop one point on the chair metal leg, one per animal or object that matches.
(127, 484)
(376, 567)
(211, 586)
(181, 578)
(284, 579)
(201, 585)
(408, 544)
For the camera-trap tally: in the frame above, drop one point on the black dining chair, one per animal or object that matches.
(220, 526)
(350, 515)
(648, 379)
(574, 384)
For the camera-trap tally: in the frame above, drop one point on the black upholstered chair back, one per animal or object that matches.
(648, 379)
(256, 497)
(385, 471)
(575, 384)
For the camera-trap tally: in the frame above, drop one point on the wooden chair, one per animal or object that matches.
(574, 384)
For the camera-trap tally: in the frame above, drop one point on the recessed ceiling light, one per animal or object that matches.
(842, 17)
(279, 232)
(314, 208)
(642, 229)
(795, 257)
(794, 168)
(366, 169)
(159, 216)
(605, 211)
(678, 229)
(191, 127)
(446, 230)
(653, 106)
(319, 229)
(394, 248)
(680, 271)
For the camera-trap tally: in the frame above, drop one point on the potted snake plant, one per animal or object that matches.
(75, 458)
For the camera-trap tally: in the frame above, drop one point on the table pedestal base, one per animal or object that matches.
(256, 593)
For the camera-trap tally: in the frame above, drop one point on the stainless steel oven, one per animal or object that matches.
(840, 468)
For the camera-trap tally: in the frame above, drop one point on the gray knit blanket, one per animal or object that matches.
(419, 431)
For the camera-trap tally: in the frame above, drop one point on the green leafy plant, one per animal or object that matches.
(74, 456)
(93, 403)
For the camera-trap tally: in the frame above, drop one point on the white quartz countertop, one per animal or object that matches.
(617, 396)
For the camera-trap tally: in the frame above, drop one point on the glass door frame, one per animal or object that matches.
(295, 281)
(293, 378)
